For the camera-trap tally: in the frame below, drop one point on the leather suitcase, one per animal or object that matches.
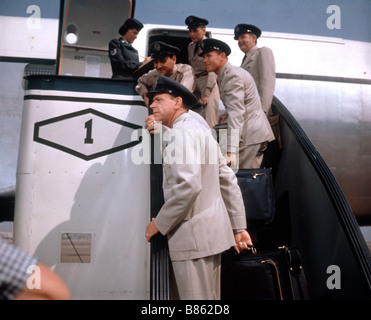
(257, 191)
(269, 275)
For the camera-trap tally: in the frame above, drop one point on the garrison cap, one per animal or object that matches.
(166, 85)
(130, 23)
(194, 22)
(208, 45)
(160, 49)
(246, 28)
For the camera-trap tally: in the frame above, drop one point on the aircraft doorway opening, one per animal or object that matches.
(177, 38)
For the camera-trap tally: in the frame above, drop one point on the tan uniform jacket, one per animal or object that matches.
(259, 62)
(203, 202)
(205, 84)
(182, 73)
(241, 100)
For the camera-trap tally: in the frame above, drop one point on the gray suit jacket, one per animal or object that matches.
(242, 103)
(205, 84)
(182, 73)
(259, 62)
(203, 202)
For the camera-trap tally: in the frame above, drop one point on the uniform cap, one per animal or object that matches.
(166, 85)
(160, 49)
(130, 23)
(194, 22)
(208, 45)
(246, 28)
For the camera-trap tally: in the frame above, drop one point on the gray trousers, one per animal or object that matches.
(197, 279)
(251, 156)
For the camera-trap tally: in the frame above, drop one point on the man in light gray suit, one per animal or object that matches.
(248, 129)
(259, 62)
(203, 214)
(206, 88)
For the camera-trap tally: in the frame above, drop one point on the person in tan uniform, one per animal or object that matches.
(164, 56)
(259, 62)
(248, 129)
(203, 213)
(206, 87)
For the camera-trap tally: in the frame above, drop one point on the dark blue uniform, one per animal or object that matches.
(124, 58)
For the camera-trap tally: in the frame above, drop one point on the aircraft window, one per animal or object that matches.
(76, 247)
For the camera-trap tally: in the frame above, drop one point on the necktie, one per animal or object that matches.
(196, 48)
(243, 59)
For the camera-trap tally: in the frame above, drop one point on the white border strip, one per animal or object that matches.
(88, 95)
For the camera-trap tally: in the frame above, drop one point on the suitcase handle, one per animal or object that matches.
(274, 265)
(253, 249)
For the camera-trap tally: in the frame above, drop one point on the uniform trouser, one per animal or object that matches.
(251, 156)
(197, 279)
(210, 112)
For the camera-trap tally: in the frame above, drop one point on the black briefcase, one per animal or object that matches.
(257, 191)
(270, 275)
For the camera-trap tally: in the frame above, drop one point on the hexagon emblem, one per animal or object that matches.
(87, 134)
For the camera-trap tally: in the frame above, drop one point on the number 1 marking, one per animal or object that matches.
(89, 127)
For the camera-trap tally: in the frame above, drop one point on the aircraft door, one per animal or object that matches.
(87, 27)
